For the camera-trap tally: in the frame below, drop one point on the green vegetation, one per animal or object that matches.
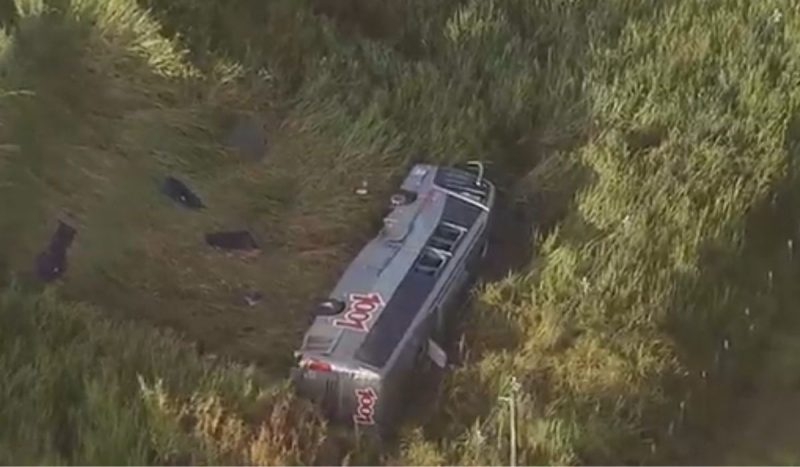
(651, 143)
(78, 389)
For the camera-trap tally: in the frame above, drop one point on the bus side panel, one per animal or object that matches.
(400, 379)
(361, 404)
(322, 388)
(451, 308)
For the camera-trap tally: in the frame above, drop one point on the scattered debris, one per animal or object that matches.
(52, 263)
(253, 298)
(362, 191)
(233, 240)
(248, 136)
(265, 74)
(180, 193)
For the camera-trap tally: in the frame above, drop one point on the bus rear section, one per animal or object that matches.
(346, 396)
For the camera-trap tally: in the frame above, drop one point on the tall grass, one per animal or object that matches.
(654, 141)
(644, 287)
(105, 106)
(111, 109)
(80, 389)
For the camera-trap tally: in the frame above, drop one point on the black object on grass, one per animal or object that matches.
(233, 240)
(52, 262)
(180, 193)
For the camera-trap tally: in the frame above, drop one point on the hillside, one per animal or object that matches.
(641, 275)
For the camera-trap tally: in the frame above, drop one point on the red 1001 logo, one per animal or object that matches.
(360, 310)
(365, 406)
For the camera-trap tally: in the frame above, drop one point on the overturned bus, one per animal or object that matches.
(398, 303)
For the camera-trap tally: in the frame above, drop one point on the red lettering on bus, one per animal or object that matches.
(365, 406)
(360, 310)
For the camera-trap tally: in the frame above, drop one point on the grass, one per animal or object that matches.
(80, 389)
(651, 144)
(107, 120)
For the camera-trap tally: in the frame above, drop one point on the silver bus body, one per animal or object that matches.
(397, 301)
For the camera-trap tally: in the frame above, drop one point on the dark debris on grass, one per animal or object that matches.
(181, 193)
(51, 263)
(240, 240)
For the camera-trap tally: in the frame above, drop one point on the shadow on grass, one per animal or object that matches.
(287, 36)
(751, 362)
(8, 14)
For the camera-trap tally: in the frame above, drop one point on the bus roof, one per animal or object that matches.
(386, 285)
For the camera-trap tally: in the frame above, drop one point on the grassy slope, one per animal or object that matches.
(79, 389)
(100, 131)
(106, 107)
(675, 119)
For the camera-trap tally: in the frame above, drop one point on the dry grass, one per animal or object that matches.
(123, 111)
(80, 389)
(647, 137)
